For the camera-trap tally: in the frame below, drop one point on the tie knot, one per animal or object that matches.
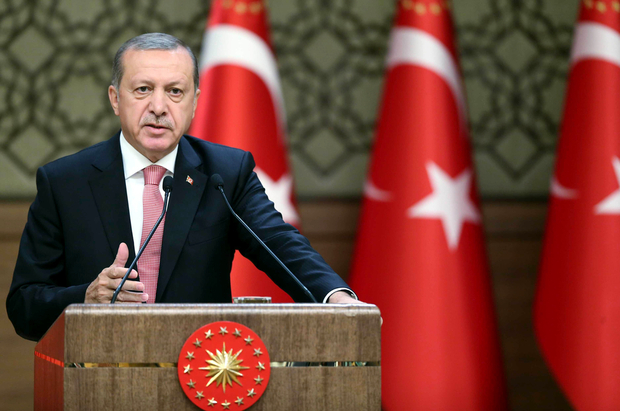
(153, 174)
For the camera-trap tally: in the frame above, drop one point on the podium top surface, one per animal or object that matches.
(154, 333)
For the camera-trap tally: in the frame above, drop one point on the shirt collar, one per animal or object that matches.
(134, 161)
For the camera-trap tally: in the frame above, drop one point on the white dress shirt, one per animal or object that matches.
(134, 164)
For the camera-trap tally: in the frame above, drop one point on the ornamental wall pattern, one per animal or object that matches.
(55, 59)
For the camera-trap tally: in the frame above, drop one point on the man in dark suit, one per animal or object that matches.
(89, 207)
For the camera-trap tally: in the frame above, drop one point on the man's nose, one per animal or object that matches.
(159, 105)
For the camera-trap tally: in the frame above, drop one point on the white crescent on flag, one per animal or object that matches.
(596, 41)
(417, 47)
(592, 41)
(375, 193)
(228, 44)
(558, 190)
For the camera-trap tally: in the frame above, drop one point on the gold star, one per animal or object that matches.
(191, 384)
(187, 370)
(237, 333)
(241, 8)
(212, 402)
(257, 352)
(199, 395)
(255, 7)
(226, 405)
(209, 334)
(248, 341)
(239, 401)
(190, 355)
(252, 393)
(224, 367)
(223, 331)
(197, 343)
(259, 380)
(260, 366)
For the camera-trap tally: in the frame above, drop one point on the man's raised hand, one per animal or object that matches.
(102, 288)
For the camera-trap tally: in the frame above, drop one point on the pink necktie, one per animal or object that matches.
(148, 264)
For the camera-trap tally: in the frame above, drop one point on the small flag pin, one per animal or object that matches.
(190, 180)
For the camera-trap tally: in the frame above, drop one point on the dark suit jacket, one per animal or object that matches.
(81, 215)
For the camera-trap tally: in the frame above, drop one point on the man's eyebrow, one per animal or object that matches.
(141, 81)
(176, 83)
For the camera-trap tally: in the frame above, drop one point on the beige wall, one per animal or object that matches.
(16, 354)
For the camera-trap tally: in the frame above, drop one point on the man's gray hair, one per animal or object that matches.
(150, 41)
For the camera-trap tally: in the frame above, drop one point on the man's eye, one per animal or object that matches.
(176, 91)
(143, 89)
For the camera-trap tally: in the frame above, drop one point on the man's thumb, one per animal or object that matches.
(121, 256)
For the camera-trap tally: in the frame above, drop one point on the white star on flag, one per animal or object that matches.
(611, 203)
(450, 202)
(280, 193)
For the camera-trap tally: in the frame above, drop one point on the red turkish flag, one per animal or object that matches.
(420, 254)
(241, 105)
(577, 306)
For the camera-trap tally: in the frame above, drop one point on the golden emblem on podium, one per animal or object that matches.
(224, 364)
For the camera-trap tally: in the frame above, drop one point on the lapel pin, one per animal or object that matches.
(189, 180)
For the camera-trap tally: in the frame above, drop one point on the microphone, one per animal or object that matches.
(167, 185)
(219, 185)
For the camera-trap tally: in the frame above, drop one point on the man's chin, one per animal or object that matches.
(156, 147)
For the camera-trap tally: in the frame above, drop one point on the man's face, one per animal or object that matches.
(155, 100)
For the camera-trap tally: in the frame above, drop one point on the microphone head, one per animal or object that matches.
(168, 180)
(217, 181)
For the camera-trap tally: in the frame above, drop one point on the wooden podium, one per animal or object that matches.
(124, 357)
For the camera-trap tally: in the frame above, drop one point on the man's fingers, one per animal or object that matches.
(134, 286)
(121, 256)
(101, 289)
(119, 272)
(129, 297)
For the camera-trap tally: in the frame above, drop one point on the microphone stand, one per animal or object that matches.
(219, 185)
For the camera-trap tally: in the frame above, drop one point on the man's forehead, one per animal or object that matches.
(161, 62)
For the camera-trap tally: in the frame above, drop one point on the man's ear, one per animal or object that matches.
(113, 96)
(196, 95)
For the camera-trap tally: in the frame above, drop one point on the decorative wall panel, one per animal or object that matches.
(515, 61)
(55, 59)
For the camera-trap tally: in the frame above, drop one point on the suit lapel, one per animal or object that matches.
(110, 194)
(184, 201)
